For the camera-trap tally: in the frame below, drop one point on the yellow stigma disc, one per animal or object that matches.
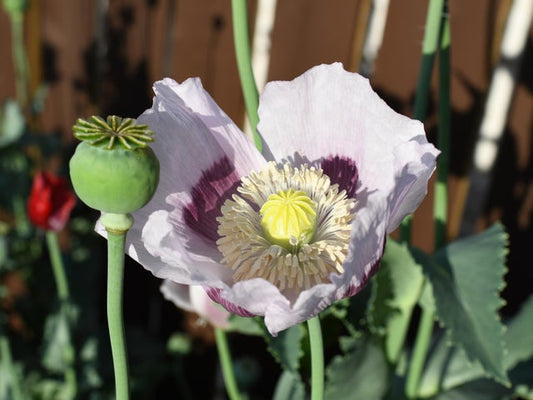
(289, 218)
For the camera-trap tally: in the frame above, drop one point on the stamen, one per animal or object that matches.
(299, 236)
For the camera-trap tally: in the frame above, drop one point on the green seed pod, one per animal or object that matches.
(113, 170)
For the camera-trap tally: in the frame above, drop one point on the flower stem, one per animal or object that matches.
(64, 297)
(244, 64)
(429, 48)
(441, 187)
(317, 358)
(225, 362)
(441, 202)
(117, 226)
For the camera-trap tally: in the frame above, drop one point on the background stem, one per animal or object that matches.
(429, 48)
(57, 266)
(441, 202)
(420, 350)
(20, 62)
(244, 64)
(317, 358)
(225, 362)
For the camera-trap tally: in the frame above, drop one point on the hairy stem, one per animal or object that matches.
(117, 225)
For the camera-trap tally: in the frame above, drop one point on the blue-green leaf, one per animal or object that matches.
(286, 347)
(448, 367)
(396, 289)
(482, 389)
(362, 373)
(466, 278)
(519, 336)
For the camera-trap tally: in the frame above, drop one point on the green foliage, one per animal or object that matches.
(519, 336)
(286, 347)
(12, 123)
(57, 339)
(450, 370)
(362, 373)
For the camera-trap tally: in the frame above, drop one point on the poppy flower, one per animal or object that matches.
(195, 299)
(50, 201)
(286, 232)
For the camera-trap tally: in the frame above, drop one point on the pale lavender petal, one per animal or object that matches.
(331, 114)
(177, 227)
(416, 162)
(178, 294)
(193, 298)
(166, 254)
(205, 307)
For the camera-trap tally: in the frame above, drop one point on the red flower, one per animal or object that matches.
(50, 202)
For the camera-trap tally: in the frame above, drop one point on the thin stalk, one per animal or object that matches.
(116, 241)
(418, 357)
(441, 202)
(441, 188)
(429, 48)
(317, 358)
(244, 64)
(7, 363)
(19, 58)
(64, 297)
(57, 266)
(225, 362)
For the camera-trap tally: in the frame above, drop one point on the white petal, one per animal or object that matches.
(192, 134)
(177, 294)
(207, 308)
(327, 112)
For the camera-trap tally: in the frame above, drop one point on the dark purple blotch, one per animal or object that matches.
(343, 172)
(217, 184)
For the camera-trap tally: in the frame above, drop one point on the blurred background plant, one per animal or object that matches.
(64, 60)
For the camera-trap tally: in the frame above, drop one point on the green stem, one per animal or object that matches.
(420, 350)
(429, 48)
(225, 362)
(317, 358)
(244, 64)
(425, 328)
(7, 362)
(64, 297)
(441, 188)
(117, 226)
